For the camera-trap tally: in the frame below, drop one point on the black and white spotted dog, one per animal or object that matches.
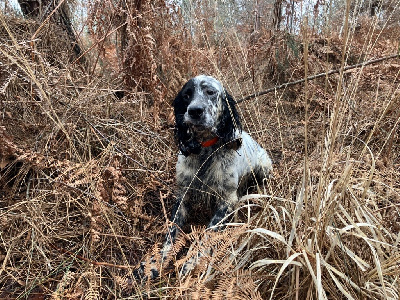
(217, 161)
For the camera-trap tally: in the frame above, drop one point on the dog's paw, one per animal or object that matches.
(140, 274)
(189, 265)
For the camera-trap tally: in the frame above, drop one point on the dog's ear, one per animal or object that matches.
(186, 142)
(229, 122)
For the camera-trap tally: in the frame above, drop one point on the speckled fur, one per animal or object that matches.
(213, 177)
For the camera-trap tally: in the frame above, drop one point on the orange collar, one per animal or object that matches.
(209, 142)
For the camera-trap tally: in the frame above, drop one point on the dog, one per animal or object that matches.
(217, 160)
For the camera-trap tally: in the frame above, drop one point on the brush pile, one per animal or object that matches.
(87, 174)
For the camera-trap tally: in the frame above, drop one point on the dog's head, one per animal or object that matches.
(204, 111)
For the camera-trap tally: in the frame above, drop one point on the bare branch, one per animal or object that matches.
(282, 86)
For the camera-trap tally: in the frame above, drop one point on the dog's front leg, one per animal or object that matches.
(224, 209)
(178, 219)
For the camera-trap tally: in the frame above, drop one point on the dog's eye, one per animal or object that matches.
(210, 92)
(187, 95)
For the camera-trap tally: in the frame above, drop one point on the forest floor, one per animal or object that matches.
(87, 178)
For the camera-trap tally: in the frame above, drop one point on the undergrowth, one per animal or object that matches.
(87, 176)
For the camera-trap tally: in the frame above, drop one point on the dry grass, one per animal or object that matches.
(87, 179)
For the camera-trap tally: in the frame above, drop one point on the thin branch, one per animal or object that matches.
(282, 86)
(46, 20)
(95, 263)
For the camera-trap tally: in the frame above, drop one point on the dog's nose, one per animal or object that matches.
(195, 112)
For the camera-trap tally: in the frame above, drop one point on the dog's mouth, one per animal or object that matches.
(201, 132)
(198, 128)
(197, 125)
(201, 128)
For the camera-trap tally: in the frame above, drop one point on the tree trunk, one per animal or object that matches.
(40, 9)
(257, 17)
(30, 8)
(277, 16)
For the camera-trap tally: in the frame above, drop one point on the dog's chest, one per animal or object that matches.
(205, 172)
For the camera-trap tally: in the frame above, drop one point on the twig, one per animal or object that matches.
(93, 262)
(46, 20)
(282, 86)
(98, 42)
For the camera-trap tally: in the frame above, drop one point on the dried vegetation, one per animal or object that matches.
(87, 176)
